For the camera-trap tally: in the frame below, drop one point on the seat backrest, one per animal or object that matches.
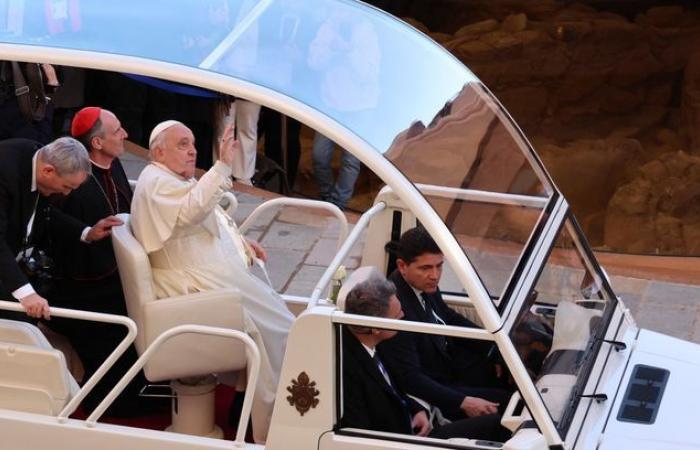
(358, 276)
(14, 332)
(34, 379)
(184, 355)
(135, 273)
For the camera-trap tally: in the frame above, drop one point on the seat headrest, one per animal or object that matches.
(359, 275)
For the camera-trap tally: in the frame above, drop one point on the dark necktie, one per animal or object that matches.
(432, 317)
(385, 374)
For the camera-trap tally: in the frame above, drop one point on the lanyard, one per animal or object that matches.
(30, 224)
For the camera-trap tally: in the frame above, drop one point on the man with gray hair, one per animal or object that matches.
(193, 246)
(373, 397)
(27, 173)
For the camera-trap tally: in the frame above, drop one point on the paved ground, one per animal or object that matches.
(301, 244)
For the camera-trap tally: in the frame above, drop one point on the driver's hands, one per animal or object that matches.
(474, 407)
(103, 228)
(421, 424)
(35, 306)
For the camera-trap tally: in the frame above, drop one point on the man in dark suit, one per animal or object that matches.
(373, 398)
(27, 173)
(454, 375)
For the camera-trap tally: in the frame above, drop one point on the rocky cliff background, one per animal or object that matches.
(609, 95)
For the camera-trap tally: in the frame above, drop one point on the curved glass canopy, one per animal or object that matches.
(398, 91)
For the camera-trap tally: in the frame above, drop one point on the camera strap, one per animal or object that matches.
(30, 224)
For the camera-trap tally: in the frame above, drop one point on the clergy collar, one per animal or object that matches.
(34, 187)
(100, 166)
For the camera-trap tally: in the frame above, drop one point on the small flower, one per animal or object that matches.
(337, 282)
(340, 274)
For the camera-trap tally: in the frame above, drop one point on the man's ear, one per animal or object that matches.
(157, 154)
(401, 265)
(48, 170)
(95, 142)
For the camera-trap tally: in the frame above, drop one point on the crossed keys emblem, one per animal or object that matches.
(304, 393)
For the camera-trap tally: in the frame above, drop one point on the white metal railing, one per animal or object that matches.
(411, 326)
(300, 202)
(479, 196)
(343, 251)
(252, 354)
(106, 365)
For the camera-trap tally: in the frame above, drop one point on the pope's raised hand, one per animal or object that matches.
(228, 144)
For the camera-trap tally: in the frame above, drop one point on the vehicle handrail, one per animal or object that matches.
(106, 364)
(411, 326)
(343, 251)
(300, 202)
(478, 196)
(252, 353)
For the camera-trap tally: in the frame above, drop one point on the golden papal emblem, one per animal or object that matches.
(304, 393)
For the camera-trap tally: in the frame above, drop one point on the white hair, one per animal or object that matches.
(66, 155)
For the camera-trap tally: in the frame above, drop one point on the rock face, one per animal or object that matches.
(611, 103)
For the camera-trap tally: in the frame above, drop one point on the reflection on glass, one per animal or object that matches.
(357, 65)
(472, 167)
(559, 325)
(493, 236)
(467, 145)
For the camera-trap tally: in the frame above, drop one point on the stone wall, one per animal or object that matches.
(610, 101)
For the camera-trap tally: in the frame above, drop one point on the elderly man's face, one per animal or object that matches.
(110, 141)
(178, 152)
(49, 182)
(393, 312)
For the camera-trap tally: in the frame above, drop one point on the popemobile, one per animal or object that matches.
(451, 159)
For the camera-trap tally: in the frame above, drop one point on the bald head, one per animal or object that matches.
(172, 144)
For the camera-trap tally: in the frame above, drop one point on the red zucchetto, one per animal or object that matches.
(84, 120)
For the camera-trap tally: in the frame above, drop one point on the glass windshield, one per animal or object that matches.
(560, 325)
(396, 90)
(472, 166)
(355, 64)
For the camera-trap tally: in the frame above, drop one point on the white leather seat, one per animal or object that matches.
(358, 276)
(572, 331)
(184, 355)
(187, 355)
(33, 375)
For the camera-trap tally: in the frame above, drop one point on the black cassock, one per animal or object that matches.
(86, 278)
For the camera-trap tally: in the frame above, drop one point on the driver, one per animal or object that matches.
(453, 375)
(193, 246)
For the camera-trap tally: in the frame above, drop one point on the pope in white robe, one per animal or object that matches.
(194, 246)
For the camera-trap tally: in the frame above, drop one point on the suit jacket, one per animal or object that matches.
(368, 401)
(428, 368)
(17, 203)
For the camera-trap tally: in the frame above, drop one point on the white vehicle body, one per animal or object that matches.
(518, 262)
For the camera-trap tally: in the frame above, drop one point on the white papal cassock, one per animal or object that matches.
(193, 247)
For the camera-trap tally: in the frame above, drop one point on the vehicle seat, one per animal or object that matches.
(187, 356)
(359, 275)
(33, 375)
(572, 331)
